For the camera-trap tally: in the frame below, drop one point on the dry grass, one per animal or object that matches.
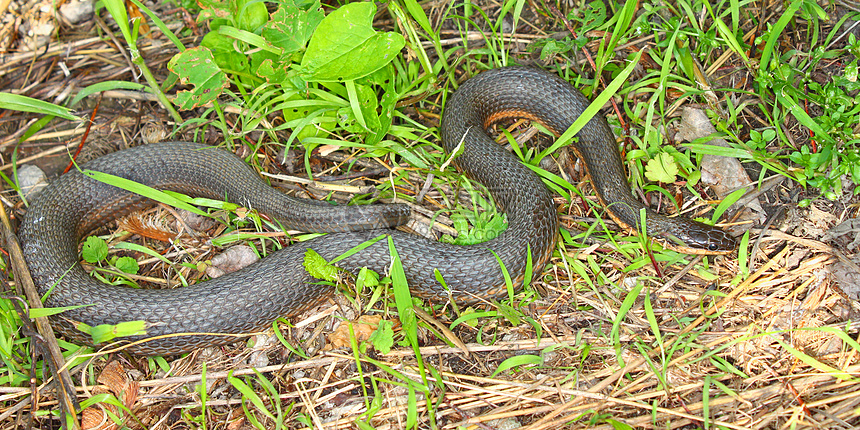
(775, 349)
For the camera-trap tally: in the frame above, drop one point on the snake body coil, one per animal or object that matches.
(278, 285)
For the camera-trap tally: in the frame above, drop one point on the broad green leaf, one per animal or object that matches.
(316, 265)
(291, 27)
(197, 67)
(346, 47)
(366, 278)
(383, 337)
(272, 70)
(94, 249)
(252, 15)
(223, 52)
(127, 265)
(661, 168)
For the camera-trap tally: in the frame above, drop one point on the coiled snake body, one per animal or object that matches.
(278, 285)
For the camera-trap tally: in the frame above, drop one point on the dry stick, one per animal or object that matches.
(65, 387)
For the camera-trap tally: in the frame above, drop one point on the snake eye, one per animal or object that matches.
(712, 247)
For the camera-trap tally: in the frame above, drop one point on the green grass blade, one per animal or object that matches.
(594, 107)
(21, 103)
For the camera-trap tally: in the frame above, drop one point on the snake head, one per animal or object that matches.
(693, 237)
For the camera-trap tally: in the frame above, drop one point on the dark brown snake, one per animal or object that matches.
(278, 285)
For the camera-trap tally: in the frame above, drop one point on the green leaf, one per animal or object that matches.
(661, 168)
(402, 297)
(345, 46)
(197, 67)
(27, 104)
(593, 107)
(46, 312)
(252, 15)
(814, 363)
(117, 10)
(361, 115)
(160, 24)
(800, 114)
(470, 317)
(245, 36)
(626, 305)
(143, 249)
(291, 27)
(383, 337)
(106, 86)
(316, 265)
(727, 202)
(517, 361)
(144, 190)
(107, 332)
(127, 265)
(510, 313)
(776, 32)
(250, 394)
(731, 39)
(366, 278)
(223, 52)
(95, 249)
(618, 425)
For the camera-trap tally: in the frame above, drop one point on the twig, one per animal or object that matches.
(65, 387)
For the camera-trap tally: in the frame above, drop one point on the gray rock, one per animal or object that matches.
(31, 179)
(77, 11)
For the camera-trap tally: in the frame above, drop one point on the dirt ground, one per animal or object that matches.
(762, 340)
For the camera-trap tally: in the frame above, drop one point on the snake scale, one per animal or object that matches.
(278, 285)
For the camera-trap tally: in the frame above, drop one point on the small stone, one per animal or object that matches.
(195, 221)
(77, 11)
(31, 179)
(258, 359)
(231, 260)
(504, 424)
(38, 35)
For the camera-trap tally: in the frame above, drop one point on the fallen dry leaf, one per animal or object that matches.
(362, 329)
(113, 377)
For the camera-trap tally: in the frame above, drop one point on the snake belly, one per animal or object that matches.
(215, 311)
